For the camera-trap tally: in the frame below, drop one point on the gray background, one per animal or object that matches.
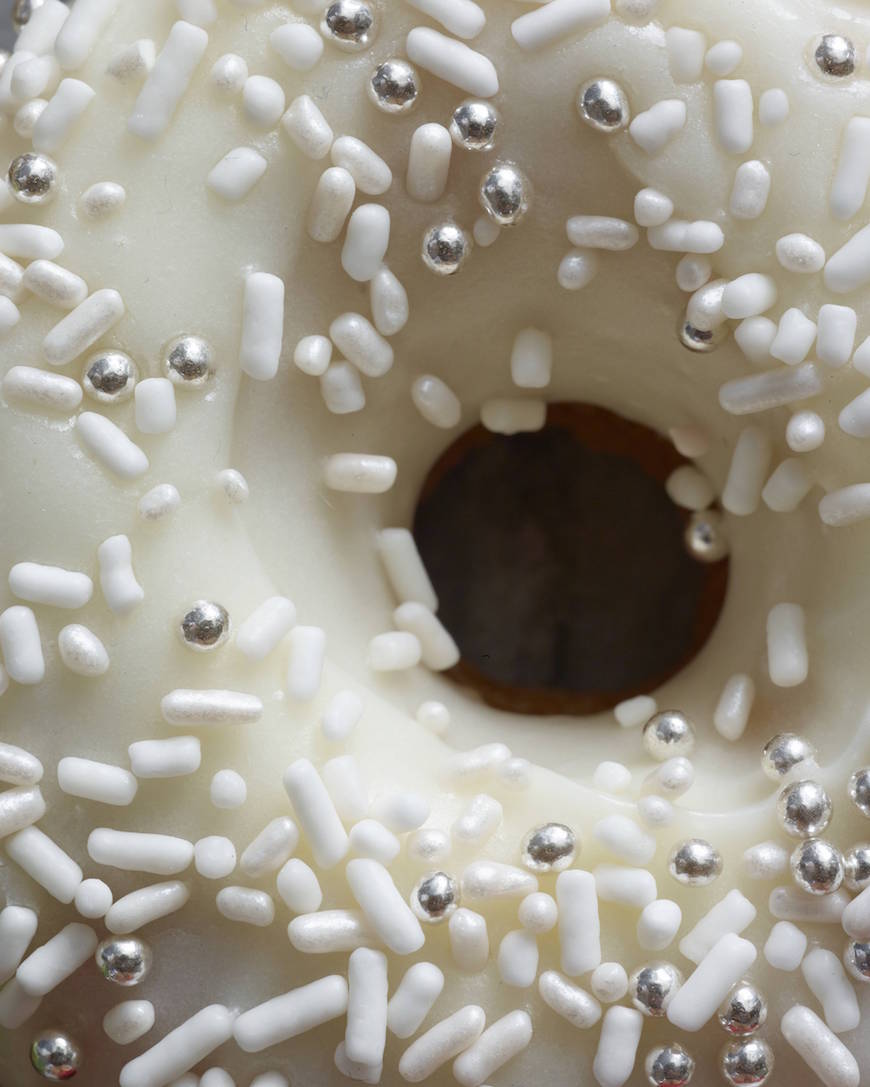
(7, 35)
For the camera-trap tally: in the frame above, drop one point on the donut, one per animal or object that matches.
(435, 531)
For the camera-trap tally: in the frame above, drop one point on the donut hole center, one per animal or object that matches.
(560, 563)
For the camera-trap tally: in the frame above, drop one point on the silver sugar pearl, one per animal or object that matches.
(817, 866)
(653, 986)
(602, 104)
(125, 960)
(349, 24)
(505, 193)
(856, 957)
(859, 790)
(667, 734)
(748, 1063)
(394, 86)
(474, 125)
(783, 753)
(204, 626)
(188, 360)
(701, 340)
(743, 1011)
(804, 809)
(55, 1055)
(22, 11)
(835, 55)
(549, 848)
(32, 177)
(695, 863)
(856, 865)
(110, 376)
(669, 1066)
(446, 247)
(705, 537)
(434, 897)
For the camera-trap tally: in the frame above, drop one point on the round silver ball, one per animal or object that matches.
(125, 960)
(394, 86)
(446, 247)
(475, 125)
(705, 537)
(110, 376)
(188, 360)
(667, 734)
(549, 848)
(434, 897)
(835, 55)
(817, 866)
(859, 790)
(701, 340)
(22, 11)
(856, 866)
(602, 104)
(695, 863)
(55, 1055)
(783, 753)
(748, 1063)
(204, 626)
(349, 24)
(505, 193)
(32, 177)
(856, 957)
(743, 1011)
(804, 809)
(653, 986)
(669, 1066)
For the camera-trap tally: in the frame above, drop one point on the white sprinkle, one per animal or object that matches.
(230, 71)
(617, 1046)
(139, 908)
(246, 905)
(469, 940)
(441, 1043)
(11, 277)
(308, 128)
(159, 854)
(795, 336)
(132, 61)
(434, 716)
(16, 1006)
(394, 651)
(344, 783)
(428, 163)
(305, 663)
(436, 401)
(571, 1002)
(686, 49)
(401, 811)
(577, 269)
(20, 645)
(200, 12)
(655, 812)
(750, 191)
(19, 808)
(655, 127)
(46, 967)
(210, 707)
(271, 847)
(155, 405)
(836, 334)
(404, 568)
(498, 1044)
(55, 285)
(735, 702)
(856, 917)
(265, 1079)
(17, 928)
(658, 924)
(479, 819)
(384, 907)
(785, 947)
(749, 295)
(854, 419)
(773, 107)
(788, 486)
(826, 978)
(56, 121)
(680, 236)
(733, 913)
(485, 231)
(366, 1031)
(371, 174)
(674, 777)
(236, 173)
(754, 337)
(693, 271)
(263, 100)
(532, 359)
(327, 931)
(601, 232)
(849, 187)
(389, 302)
(360, 473)
(19, 767)
(609, 982)
(704, 309)
(555, 21)
(800, 253)
(635, 887)
(265, 627)
(825, 1054)
(723, 57)
(167, 81)
(366, 241)
(625, 839)
(765, 860)
(316, 813)
(466, 767)
(793, 904)
(129, 1021)
(214, 857)
(298, 45)
(512, 416)
(773, 389)
(413, 999)
(538, 912)
(845, 506)
(99, 781)
(291, 1014)
(111, 446)
(180, 1049)
(688, 487)
(262, 325)
(312, 354)
(749, 466)
(50, 585)
(652, 208)
(461, 17)
(332, 200)
(227, 790)
(369, 838)
(452, 61)
(438, 649)
(732, 114)
(39, 33)
(361, 344)
(612, 777)
(82, 327)
(159, 502)
(170, 758)
(234, 486)
(25, 119)
(341, 716)
(362, 1073)
(696, 1001)
(579, 926)
(79, 33)
(31, 77)
(298, 886)
(787, 658)
(846, 270)
(634, 711)
(41, 858)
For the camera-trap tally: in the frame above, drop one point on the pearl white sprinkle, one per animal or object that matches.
(210, 707)
(846, 506)
(19, 767)
(436, 402)
(170, 758)
(330, 205)
(401, 811)
(434, 716)
(568, 1000)
(479, 820)
(389, 302)
(139, 908)
(655, 127)
(722, 58)
(800, 253)
(270, 848)
(159, 502)
(453, 61)
(787, 657)
(825, 1054)
(577, 269)
(635, 711)
(360, 473)
(308, 128)
(601, 232)
(98, 781)
(624, 838)
(167, 81)
(235, 175)
(485, 879)
(180, 1049)
(794, 904)
(366, 240)
(55, 285)
(652, 208)
(327, 931)
(371, 174)
(111, 446)
(693, 271)
(20, 645)
(856, 917)
(754, 337)
(82, 327)
(734, 706)
(246, 906)
(441, 1043)
(750, 190)
(772, 389)
(686, 486)
(361, 344)
(428, 163)
(132, 62)
(805, 431)
(312, 355)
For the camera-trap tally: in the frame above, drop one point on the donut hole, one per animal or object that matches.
(560, 563)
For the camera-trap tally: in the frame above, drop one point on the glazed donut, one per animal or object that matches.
(435, 523)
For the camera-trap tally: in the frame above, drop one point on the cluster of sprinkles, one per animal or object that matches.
(333, 815)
